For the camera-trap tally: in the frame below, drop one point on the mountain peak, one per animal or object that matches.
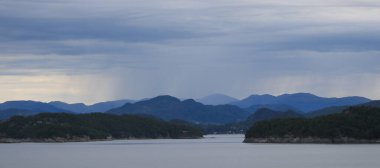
(298, 94)
(189, 101)
(164, 98)
(60, 102)
(21, 101)
(217, 99)
(258, 95)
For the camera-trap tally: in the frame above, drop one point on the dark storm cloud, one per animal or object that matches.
(193, 48)
(23, 29)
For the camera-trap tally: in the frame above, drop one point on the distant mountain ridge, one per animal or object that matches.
(98, 107)
(169, 108)
(26, 108)
(217, 99)
(305, 102)
(30, 106)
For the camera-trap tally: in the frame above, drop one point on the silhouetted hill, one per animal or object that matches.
(84, 127)
(375, 103)
(169, 108)
(303, 101)
(268, 114)
(338, 109)
(98, 107)
(274, 107)
(8, 113)
(360, 124)
(217, 99)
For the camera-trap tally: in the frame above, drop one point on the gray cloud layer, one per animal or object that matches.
(192, 48)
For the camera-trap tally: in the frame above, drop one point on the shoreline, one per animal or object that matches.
(310, 140)
(78, 139)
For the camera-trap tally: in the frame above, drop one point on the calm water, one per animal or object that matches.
(222, 151)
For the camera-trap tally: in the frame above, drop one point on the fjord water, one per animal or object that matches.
(222, 151)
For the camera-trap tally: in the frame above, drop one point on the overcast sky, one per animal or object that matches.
(96, 50)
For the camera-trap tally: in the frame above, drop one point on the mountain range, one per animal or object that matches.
(26, 108)
(169, 108)
(31, 106)
(98, 107)
(305, 102)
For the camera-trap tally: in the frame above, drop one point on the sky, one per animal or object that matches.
(92, 50)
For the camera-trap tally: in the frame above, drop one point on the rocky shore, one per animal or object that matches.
(311, 140)
(80, 139)
(50, 140)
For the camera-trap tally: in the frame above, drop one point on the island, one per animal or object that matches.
(359, 124)
(64, 127)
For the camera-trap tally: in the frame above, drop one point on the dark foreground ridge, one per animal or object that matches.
(354, 125)
(63, 127)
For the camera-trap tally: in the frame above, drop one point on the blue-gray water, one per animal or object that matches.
(219, 151)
